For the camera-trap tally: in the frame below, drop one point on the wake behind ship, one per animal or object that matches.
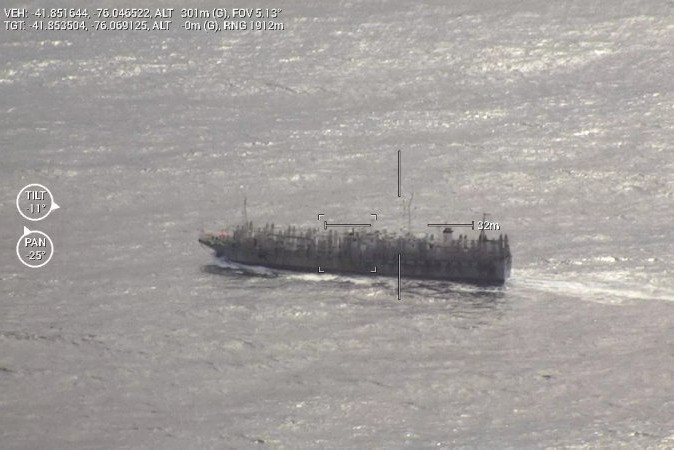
(476, 261)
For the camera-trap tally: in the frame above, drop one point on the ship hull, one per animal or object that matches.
(481, 271)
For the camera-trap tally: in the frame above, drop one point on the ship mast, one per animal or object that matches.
(409, 214)
(483, 235)
(407, 211)
(245, 212)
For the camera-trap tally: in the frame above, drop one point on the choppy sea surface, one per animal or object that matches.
(554, 117)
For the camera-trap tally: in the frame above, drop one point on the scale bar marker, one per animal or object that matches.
(471, 225)
(327, 225)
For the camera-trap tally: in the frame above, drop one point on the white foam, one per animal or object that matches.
(601, 292)
(313, 277)
(258, 270)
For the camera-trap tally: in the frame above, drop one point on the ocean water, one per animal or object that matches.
(557, 119)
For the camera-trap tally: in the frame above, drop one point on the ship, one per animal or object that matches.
(480, 260)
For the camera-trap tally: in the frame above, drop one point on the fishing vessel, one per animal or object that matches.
(366, 252)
